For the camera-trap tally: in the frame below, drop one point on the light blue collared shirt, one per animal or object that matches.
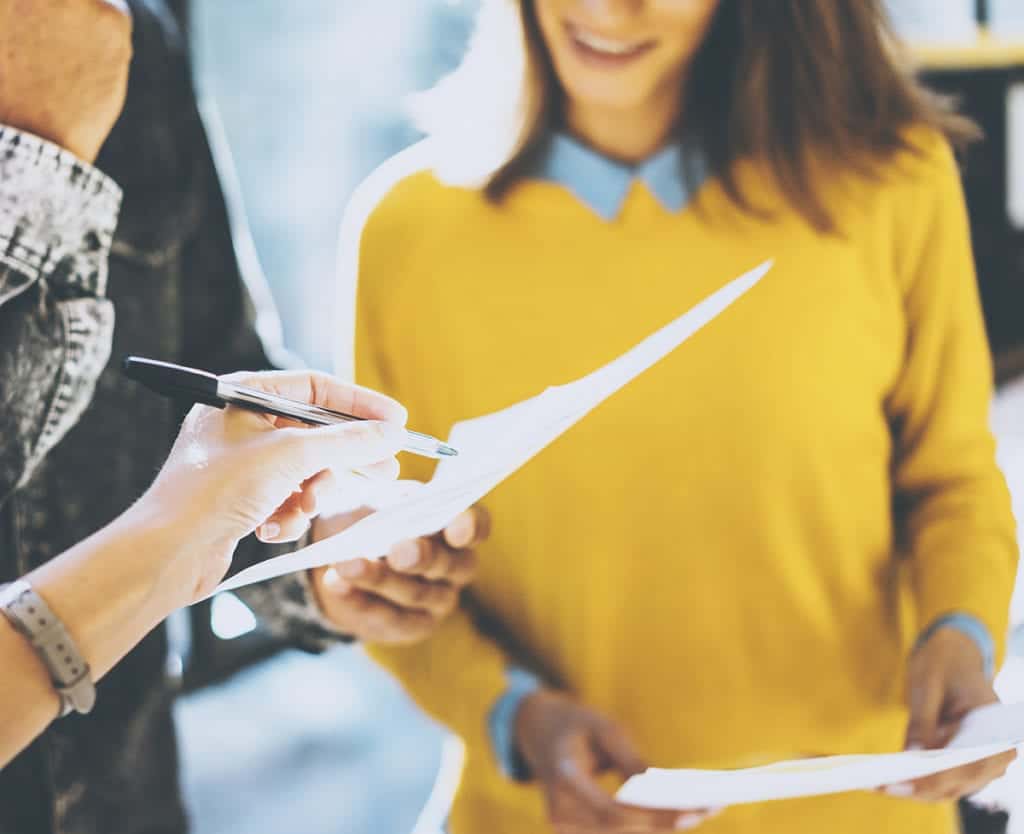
(672, 175)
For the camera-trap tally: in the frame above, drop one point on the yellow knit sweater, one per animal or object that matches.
(711, 558)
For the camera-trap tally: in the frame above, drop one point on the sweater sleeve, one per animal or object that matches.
(457, 675)
(953, 504)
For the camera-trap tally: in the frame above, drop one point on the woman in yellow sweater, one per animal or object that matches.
(790, 537)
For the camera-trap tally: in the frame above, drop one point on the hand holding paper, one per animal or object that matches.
(985, 732)
(947, 678)
(403, 598)
(567, 747)
(495, 446)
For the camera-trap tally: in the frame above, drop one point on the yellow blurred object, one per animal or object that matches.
(986, 51)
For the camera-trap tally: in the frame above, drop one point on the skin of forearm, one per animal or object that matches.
(106, 591)
(28, 702)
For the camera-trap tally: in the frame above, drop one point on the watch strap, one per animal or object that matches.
(33, 618)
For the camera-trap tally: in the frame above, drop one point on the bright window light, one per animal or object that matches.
(1015, 152)
(230, 617)
(1017, 641)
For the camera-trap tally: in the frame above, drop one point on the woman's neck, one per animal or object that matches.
(628, 136)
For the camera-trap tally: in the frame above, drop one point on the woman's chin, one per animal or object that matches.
(600, 96)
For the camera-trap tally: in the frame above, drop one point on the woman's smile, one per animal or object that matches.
(603, 52)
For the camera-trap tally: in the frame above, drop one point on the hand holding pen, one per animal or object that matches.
(197, 386)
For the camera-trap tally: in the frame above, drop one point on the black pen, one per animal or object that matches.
(197, 386)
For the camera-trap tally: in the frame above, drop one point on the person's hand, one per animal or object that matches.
(64, 69)
(403, 597)
(946, 680)
(233, 471)
(566, 747)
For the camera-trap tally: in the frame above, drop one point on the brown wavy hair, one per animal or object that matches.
(785, 82)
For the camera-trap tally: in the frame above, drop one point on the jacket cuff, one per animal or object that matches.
(971, 627)
(501, 723)
(313, 615)
(57, 216)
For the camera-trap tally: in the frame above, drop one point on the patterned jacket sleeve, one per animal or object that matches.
(57, 221)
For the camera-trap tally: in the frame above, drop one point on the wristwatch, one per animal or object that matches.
(30, 616)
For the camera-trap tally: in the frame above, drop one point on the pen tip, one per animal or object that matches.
(447, 451)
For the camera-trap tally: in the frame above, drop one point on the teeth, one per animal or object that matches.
(599, 44)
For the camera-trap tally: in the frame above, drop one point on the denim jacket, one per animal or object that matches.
(78, 442)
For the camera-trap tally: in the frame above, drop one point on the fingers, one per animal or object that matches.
(291, 520)
(956, 783)
(583, 806)
(689, 820)
(313, 489)
(385, 470)
(432, 559)
(578, 803)
(402, 590)
(447, 556)
(369, 617)
(620, 754)
(341, 447)
(567, 747)
(628, 818)
(324, 390)
(287, 523)
(992, 769)
(579, 797)
(371, 600)
(618, 749)
(468, 529)
(924, 698)
(330, 525)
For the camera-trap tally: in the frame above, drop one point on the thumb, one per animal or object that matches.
(925, 701)
(618, 749)
(302, 453)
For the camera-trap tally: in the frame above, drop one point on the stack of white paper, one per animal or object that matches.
(985, 732)
(493, 447)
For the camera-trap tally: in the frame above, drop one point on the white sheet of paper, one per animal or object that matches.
(985, 732)
(493, 447)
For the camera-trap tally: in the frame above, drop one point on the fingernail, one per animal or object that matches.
(915, 747)
(687, 822)
(715, 810)
(459, 531)
(270, 530)
(351, 570)
(405, 555)
(334, 583)
(901, 790)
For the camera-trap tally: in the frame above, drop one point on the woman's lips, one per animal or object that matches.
(603, 52)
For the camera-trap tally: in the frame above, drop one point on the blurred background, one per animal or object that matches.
(303, 99)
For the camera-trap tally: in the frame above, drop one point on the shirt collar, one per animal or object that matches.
(602, 183)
